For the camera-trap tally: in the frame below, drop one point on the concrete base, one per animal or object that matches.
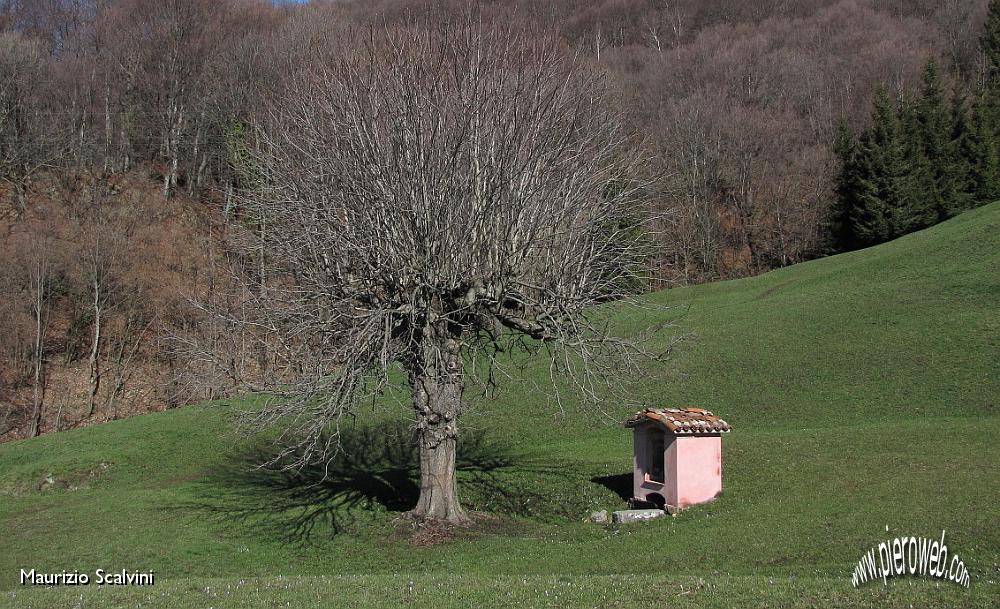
(625, 516)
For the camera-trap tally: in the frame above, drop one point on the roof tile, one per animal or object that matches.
(681, 421)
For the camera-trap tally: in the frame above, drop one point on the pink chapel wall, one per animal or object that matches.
(692, 467)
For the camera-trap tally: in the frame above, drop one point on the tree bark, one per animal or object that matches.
(108, 163)
(438, 487)
(176, 116)
(95, 348)
(39, 279)
(437, 400)
(20, 197)
(9, 408)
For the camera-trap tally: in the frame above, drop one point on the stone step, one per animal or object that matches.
(624, 516)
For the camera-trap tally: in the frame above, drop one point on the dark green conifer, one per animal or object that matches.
(935, 135)
(845, 184)
(990, 42)
(918, 207)
(880, 178)
(980, 153)
(960, 147)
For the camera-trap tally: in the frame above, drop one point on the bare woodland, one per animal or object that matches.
(202, 198)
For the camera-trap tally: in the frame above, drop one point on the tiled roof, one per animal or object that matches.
(681, 421)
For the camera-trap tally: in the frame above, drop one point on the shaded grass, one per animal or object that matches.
(376, 470)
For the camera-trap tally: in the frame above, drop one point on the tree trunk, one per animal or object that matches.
(38, 388)
(173, 153)
(58, 425)
(228, 205)
(20, 198)
(3, 421)
(438, 487)
(436, 383)
(95, 350)
(108, 163)
(119, 368)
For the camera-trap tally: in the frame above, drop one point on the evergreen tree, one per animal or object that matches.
(983, 152)
(918, 207)
(980, 152)
(879, 178)
(990, 42)
(960, 145)
(935, 134)
(922, 160)
(845, 184)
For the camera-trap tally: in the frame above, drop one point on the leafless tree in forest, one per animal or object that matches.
(107, 239)
(693, 146)
(39, 287)
(435, 197)
(98, 276)
(26, 143)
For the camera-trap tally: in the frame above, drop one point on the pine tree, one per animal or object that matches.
(845, 184)
(935, 134)
(990, 42)
(918, 207)
(922, 160)
(879, 176)
(980, 152)
(960, 147)
(983, 152)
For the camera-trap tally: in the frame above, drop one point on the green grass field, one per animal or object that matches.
(863, 389)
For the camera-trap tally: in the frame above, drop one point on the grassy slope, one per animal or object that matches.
(863, 389)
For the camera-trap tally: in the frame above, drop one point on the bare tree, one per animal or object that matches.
(124, 348)
(40, 279)
(430, 197)
(97, 275)
(26, 145)
(159, 51)
(693, 151)
(107, 241)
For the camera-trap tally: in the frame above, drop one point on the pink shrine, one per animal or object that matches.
(677, 456)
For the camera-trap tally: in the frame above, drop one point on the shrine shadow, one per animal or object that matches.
(619, 484)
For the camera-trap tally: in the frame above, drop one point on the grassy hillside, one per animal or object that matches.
(863, 389)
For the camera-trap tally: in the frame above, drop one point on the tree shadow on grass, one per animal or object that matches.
(376, 470)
